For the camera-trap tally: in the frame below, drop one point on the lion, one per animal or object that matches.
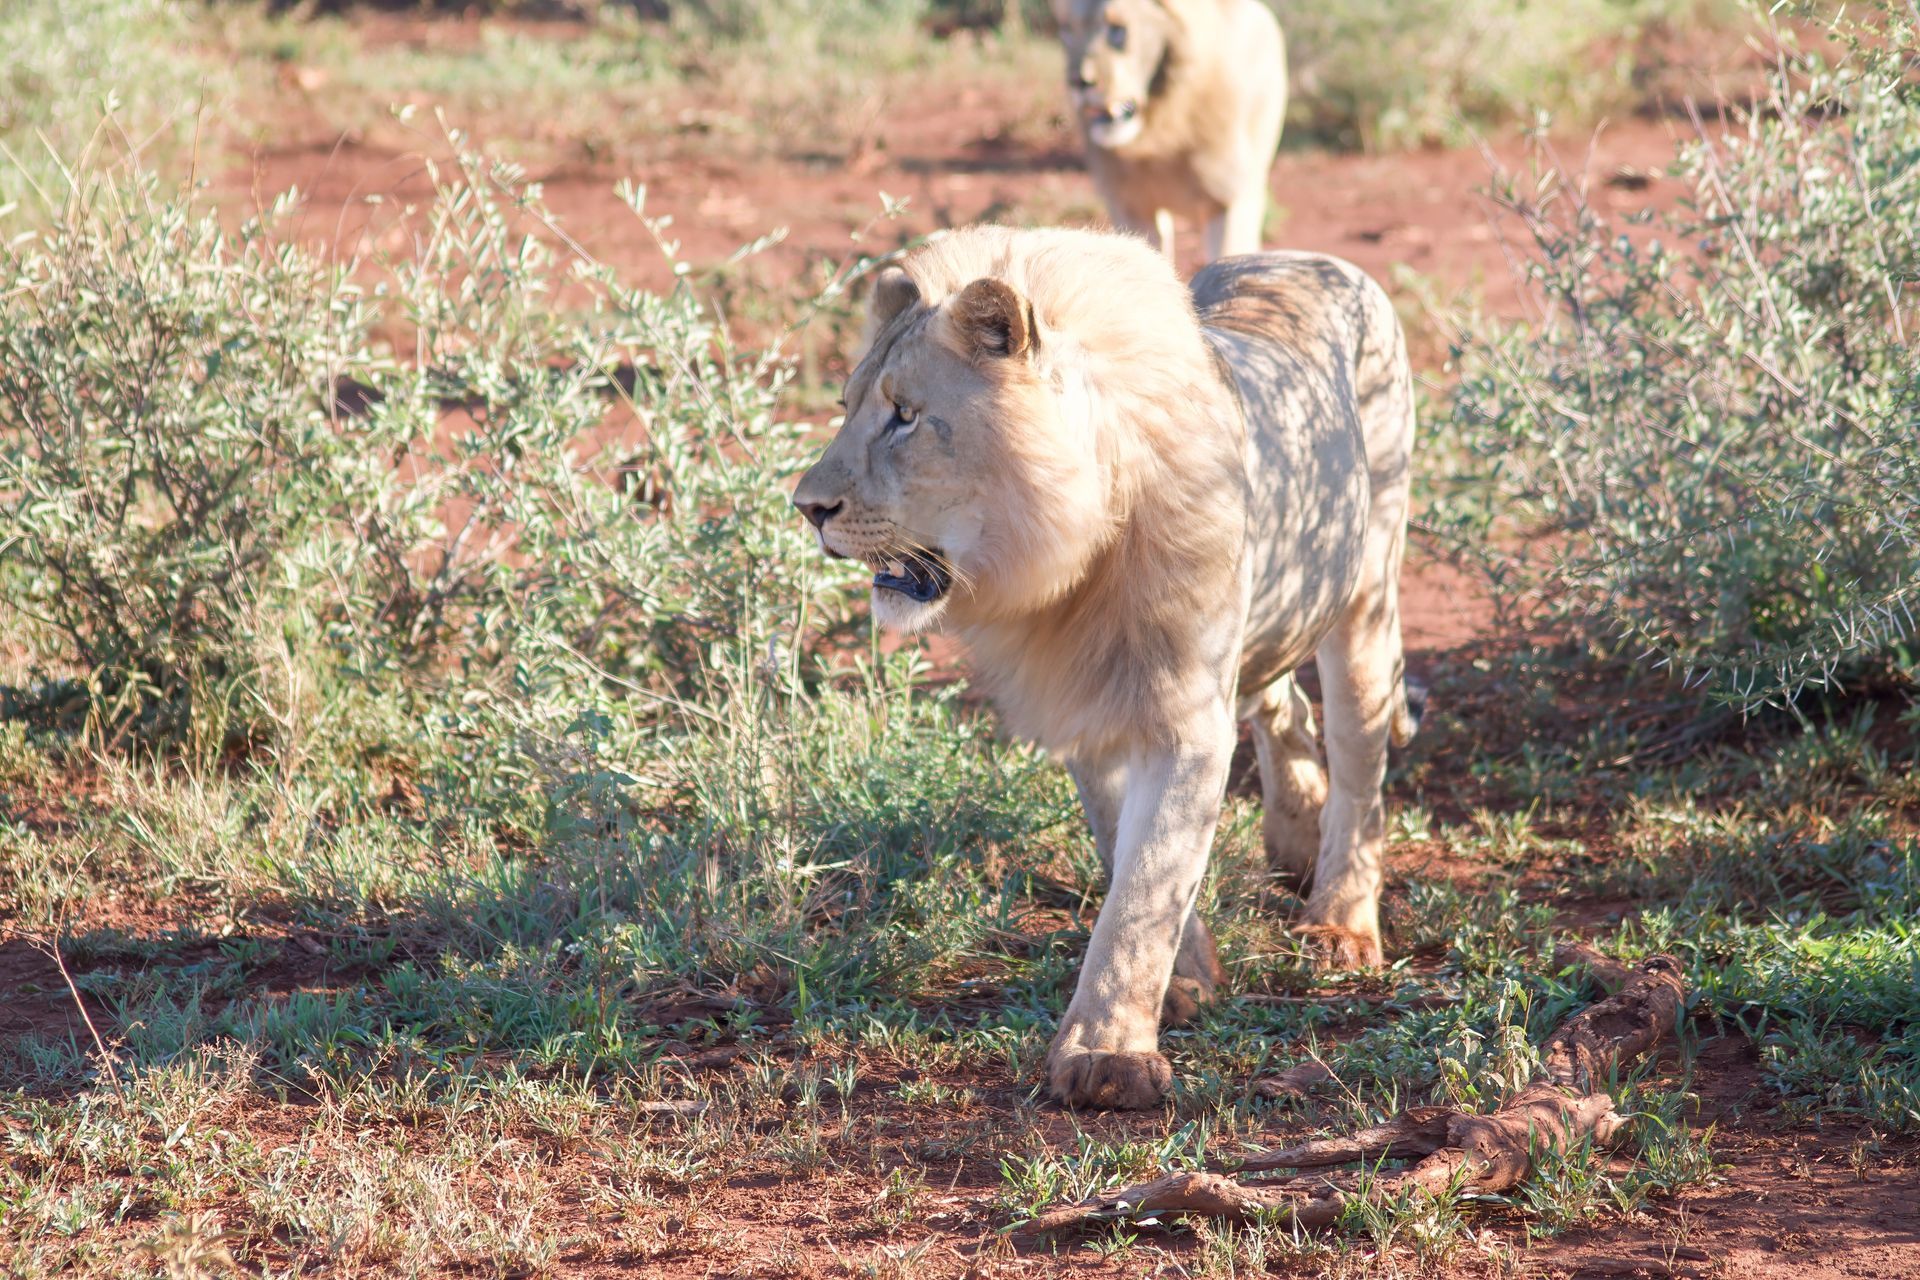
(1141, 509)
(1180, 103)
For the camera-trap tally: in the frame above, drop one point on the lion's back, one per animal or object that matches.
(1319, 364)
(1326, 329)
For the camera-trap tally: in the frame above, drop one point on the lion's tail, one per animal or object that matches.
(1409, 705)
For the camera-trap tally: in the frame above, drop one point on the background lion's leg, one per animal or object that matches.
(1293, 783)
(1196, 966)
(1236, 229)
(1155, 228)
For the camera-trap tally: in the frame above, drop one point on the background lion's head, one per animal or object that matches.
(1116, 51)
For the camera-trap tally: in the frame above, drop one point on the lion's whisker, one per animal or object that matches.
(915, 547)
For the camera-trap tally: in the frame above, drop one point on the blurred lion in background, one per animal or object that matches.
(1181, 104)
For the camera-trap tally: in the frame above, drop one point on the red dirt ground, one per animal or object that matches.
(955, 159)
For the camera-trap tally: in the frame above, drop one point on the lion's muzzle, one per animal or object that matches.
(1111, 124)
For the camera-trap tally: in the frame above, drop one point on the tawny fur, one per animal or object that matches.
(1153, 514)
(1207, 83)
(1081, 661)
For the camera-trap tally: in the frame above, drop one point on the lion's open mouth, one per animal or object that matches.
(917, 575)
(1113, 113)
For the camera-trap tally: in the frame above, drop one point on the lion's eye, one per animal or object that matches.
(903, 416)
(1116, 35)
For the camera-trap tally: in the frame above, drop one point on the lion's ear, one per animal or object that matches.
(893, 292)
(992, 319)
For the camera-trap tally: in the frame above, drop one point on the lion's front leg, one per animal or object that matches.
(1106, 1053)
(1196, 965)
(1236, 228)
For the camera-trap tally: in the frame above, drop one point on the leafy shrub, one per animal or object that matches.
(167, 444)
(1712, 430)
(603, 490)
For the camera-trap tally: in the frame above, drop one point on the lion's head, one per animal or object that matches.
(979, 470)
(1116, 52)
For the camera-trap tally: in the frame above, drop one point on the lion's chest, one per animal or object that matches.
(1180, 180)
(1308, 499)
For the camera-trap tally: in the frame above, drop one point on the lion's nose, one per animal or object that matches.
(818, 512)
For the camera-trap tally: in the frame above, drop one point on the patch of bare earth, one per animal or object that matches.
(955, 153)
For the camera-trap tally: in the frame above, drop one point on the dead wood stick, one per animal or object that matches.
(1415, 1132)
(50, 947)
(1207, 1194)
(1334, 999)
(1456, 1149)
(1608, 972)
(1592, 1044)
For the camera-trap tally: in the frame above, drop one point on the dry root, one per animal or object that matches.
(1565, 1105)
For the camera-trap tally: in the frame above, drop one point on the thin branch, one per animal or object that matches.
(50, 947)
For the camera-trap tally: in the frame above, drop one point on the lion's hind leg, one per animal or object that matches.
(1293, 784)
(1197, 974)
(1364, 694)
(1360, 691)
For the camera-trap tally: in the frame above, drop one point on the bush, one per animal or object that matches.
(167, 445)
(1711, 439)
(218, 474)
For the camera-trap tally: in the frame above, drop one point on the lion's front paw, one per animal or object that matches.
(1122, 1081)
(1335, 948)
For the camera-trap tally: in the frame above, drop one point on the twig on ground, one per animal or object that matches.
(1567, 1103)
(1297, 1081)
(50, 947)
(1333, 999)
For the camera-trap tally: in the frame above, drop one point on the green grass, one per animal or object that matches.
(615, 91)
(534, 999)
(62, 66)
(93, 83)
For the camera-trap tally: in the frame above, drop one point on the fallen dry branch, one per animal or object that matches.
(50, 948)
(1483, 1154)
(1297, 1081)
